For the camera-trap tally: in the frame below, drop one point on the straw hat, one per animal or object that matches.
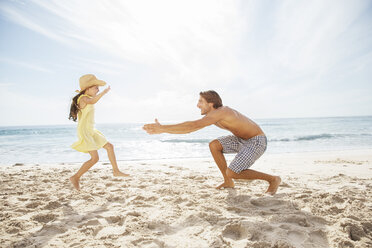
(89, 80)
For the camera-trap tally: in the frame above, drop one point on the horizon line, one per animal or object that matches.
(176, 121)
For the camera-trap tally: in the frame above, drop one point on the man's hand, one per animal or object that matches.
(154, 128)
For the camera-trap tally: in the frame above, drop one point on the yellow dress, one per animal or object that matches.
(90, 139)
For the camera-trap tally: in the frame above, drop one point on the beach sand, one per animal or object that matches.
(324, 201)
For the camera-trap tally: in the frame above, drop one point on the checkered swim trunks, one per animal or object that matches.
(248, 150)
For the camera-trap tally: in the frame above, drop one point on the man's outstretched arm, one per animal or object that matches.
(184, 127)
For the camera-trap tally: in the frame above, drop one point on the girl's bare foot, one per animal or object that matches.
(274, 185)
(120, 174)
(75, 182)
(226, 184)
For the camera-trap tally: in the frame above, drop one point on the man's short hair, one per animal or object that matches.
(212, 96)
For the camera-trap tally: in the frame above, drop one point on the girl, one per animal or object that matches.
(90, 139)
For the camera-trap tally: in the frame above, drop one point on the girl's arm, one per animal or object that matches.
(95, 99)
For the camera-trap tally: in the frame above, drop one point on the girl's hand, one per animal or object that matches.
(106, 90)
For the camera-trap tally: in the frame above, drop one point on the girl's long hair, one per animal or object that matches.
(74, 109)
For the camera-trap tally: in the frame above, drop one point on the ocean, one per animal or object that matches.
(51, 144)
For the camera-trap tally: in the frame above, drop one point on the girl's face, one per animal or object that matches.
(92, 91)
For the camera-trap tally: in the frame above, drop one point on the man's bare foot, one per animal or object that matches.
(120, 174)
(75, 182)
(274, 185)
(225, 185)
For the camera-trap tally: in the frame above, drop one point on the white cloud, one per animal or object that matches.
(28, 65)
(21, 17)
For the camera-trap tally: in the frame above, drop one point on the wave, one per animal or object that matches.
(41, 131)
(314, 137)
(298, 138)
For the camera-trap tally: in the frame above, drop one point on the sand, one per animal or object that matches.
(324, 201)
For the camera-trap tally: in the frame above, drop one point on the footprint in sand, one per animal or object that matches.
(267, 202)
(296, 219)
(296, 237)
(91, 227)
(179, 200)
(234, 231)
(285, 185)
(337, 199)
(53, 205)
(12, 230)
(212, 218)
(22, 199)
(91, 230)
(335, 210)
(139, 198)
(367, 227)
(34, 204)
(115, 199)
(239, 199)
(117, 190)
(204, 195)
(90, 223)
(212, 210)
(52, 229)
(134, 213)
(88, 198)
(119, 220)
(42, 195)
(318, 238)
(355, 231)
(281, 244)
(160, 227)
(148, 242)
(236, 209)
(14, 227)
(44, 218)
(200, 178)
(190, 203)
(6, 216)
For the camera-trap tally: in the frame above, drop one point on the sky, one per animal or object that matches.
(266, 59)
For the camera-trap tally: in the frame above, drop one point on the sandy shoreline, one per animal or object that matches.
(324, 201)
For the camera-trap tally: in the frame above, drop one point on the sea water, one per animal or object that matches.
(51, 144)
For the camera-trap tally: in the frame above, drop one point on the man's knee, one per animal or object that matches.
(215, 145)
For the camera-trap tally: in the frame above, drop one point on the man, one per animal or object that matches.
(248, 140)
